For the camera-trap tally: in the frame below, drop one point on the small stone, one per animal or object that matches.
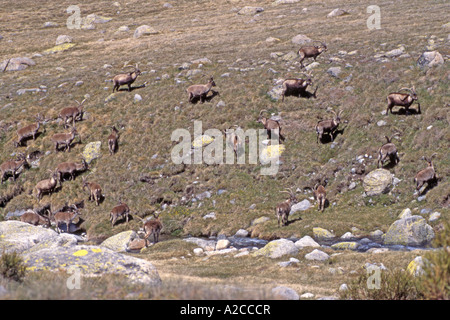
(317, 255)
(63, 39)
(137, 98)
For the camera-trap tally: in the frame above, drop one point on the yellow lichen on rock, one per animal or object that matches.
(60, 48)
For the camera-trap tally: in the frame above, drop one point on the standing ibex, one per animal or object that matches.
(311, 52)
(70, 168)
(65, 218)
(283, 209)
(296, 86)
(29, 131)
(65, 139)
(402, 99)
(320, 195)
(74, 113)
(46, 185)
(12, 166)
(121, 210)
(328, 126)
(95, 191)
(200, 90)
(113, 140)
(151, 227)
(32, 217)
(126, 78)
(270, 125)
(387, 150)
(427, 175)
(233, 139)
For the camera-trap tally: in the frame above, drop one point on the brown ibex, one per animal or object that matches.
(12, 166)
(119, 211)
(70, 168)
(200, 90)
(387, 150)
(65, 217)
(95, 191)
(113, 140)
(32, 217)
(296, 86)
(65, 139)
(46, 185)
(402, 99)
(29, 131)
(152, 227)
(311, 52)
(283, 209)
(328, 126)
(74, 113)
(233, 139)
(270, 125)
(320, 195)
(427, 175)
(126, 78)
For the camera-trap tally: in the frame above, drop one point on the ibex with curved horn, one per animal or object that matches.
(402, 99)
(74, 113)
(312, 51)
(270, 125)
(426, 175)
(296, 86)
(12, 166)
(284, 208)
(387, 150)
(328, 126)
(126, 78)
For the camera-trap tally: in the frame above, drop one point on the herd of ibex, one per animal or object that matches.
(290, 86)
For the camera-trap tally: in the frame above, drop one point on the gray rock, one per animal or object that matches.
(377, 182)
(336, 13)
(334, 71)
(413, 231)
(50, 24)
(123, 29)
(301, 206)
(92, 151)
(317, 255)
(63, 39)
(323, 234)
(241, 233)
(406, 213)
(434, 216)
(137, 98)
(395, 53)
(16, 64)
(277, 248)
(430, 59)
(248, 10)
(144, 30)
(306, 241)
(120, 241)
(300, 39)
(207, 245)
(285, 293)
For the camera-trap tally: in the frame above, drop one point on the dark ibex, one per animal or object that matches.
(70, 168)
(328, 126)
(283, 209)
(200, 90)
(32, 217)
(296, 86)
(121, 210)
(427, 175)
(311, 52)
(270, 125)
(126, 78)
(402, 99)
(113, 140)
(12, 166)
(29, 131)
(320, 195)
(74, 113)
(387, 150)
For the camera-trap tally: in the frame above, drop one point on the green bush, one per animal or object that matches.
(12, 266)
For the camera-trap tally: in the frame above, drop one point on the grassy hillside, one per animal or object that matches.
(237, 46)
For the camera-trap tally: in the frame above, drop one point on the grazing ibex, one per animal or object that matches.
(402, 99)
(126, 78)
(200, 90)
(270, 125)
(121, 210)
(427, 175)
(296, 86)
(46, 185)
(151, 227)
(12, 166)
(283, 209)
(388, 150)
(311, 52)
(95, 191)
(328, 126)
(65, 139)
(66, 218)
(74, 113)
(320, 195)
(32, 217)
(113, 140)
(70, 168)
(29, 131)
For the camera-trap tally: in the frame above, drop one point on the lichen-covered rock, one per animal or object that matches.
(60, 48)
(346, 245)
(92, 151)
(415, 267)
(412, 231)
(322, 234)
(121, 241)
(277, 248)
(377, 182)
(92, 261)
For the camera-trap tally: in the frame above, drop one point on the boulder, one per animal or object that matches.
(63, 39)
(317, 255)
(334, 71)
(300, 39)
(336, 13)
(430, 59)
(92, 151)
(415, 267)
(285, 293)
(92, 261)
(277, 248)
(377, 182)
(413, 231)
(144, 30)
(306, 241)
(322, 234)
(300, 206)
(249, 11)
(346, 245)
(207, 245)
(16, 64)
(121, 241)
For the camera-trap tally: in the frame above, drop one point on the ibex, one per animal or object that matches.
(402, 99)
(200, 90)
(311, 52)
(427, 175)
(29, 131)
(113, 140)
(296, 86)
(32, 217)
(151, 227)
(126, 78)
(387, 150)
(70, 168)
(320, 195)
(65, 139)
(65, 218)
(283, 209)
(95, 191)
(12, 166)
(270, 125)
(233, 139)
(121, 210)
(328, 126)
(46, 185)
(74, 113)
